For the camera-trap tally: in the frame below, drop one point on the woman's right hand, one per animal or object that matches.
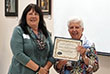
(43, 71)
(61, 63)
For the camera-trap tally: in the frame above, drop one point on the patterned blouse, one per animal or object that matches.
(79, 67)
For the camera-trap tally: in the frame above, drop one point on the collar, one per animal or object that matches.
(85, 42)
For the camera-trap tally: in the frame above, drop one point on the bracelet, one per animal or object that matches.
(90, 66)
(38, 69)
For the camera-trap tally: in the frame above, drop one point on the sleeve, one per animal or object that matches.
(93, 60)
(51, 58)
(17, 46)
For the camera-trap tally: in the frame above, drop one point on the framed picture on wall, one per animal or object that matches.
(11, 7)
(45, 5)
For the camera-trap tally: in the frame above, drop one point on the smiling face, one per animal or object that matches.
(75, 30)
(32, 19)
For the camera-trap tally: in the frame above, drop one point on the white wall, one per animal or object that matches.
(95, 15)
(6, 28)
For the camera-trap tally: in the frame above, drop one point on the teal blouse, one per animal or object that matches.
(24, 48)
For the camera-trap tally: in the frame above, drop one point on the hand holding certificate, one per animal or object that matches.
(65, 48)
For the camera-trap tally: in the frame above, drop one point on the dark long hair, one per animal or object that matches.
(41, 25)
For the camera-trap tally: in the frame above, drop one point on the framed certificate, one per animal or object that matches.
(65, 48)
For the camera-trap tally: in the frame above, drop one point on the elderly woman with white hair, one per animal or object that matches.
(88, 61)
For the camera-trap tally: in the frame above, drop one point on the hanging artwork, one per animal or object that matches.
(45, 6)
(11, 7)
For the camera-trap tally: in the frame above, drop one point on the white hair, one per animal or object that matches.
(75, 20)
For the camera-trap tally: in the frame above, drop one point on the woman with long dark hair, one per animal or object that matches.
(31, 44)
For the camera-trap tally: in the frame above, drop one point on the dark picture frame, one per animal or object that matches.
(11, 7)
(45, 6)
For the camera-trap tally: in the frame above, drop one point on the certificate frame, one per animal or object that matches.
(65, 48)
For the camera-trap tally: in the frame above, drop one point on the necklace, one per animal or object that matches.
(40, 41)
